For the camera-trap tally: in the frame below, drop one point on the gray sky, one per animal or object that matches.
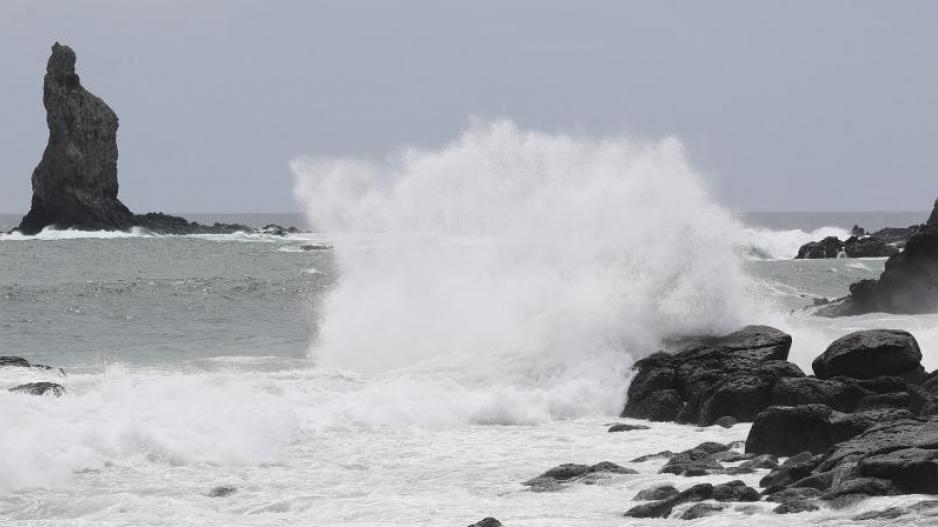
(785, 105)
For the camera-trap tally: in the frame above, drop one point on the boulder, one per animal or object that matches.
(487, 522)
(625, 427)
(735, 491)
(75, 184)
(868, 247)
(829, 247)
(40, 388)
(711, 378)
(663, 508)
(660, 492)
(699, 510)
(569, 472)
(871, 353)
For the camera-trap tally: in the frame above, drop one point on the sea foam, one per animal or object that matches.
(517, 262)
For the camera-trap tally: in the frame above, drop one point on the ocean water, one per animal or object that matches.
(473, 326)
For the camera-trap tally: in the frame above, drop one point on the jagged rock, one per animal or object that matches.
(697, 461)
(761, 461)
(726, 421)
(487, 522)
(909, 284)
(793, 494)
(709, 378)
(735, 491)
(40, 388)
(868, 247)
(699, 510)
(75, 184)
(661, 492)
(274, 230)
(663, 508)
(793, 469)
(625, 427)
(649, 457)
(871, 353)
(829, 247)
(568, 472)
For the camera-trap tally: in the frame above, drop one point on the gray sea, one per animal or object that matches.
(198, 363)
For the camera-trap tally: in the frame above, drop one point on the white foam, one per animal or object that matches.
(527, 268)
(768, 244)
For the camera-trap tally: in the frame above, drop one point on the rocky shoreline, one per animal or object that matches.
(864, 424)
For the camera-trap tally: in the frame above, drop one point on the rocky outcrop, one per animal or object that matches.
(75, 184)
(870, 354)
(561, 475)
(829, 247)
(909, 284)
(710, 378)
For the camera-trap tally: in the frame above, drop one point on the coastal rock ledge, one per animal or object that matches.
(75, 185)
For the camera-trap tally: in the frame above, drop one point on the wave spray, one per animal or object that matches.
(520, 260)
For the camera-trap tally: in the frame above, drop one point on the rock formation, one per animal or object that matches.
(908, 285)
(75, 185)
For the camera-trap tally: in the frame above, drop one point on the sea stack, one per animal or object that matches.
(909, 285)
(75, 184)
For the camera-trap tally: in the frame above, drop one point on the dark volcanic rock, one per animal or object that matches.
(735, 491)
(829, 247)
(868, 247)
(710, 378)
(487, 522)
(40, 388)
(625, 427)
(656, 493)
(569, 472)
(699, 510)
(794, 494)
(75, 184)
(909, 284)
(871, 353)
(14, 361)
(697, 461)
(663, 508)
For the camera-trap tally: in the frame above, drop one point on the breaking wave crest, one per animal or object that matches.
(513, 261)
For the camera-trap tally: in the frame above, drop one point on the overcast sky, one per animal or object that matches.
(784, 105)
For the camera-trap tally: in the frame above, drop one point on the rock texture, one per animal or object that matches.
(710, 378)
(75, 184)
(909, 284)
(870, 354)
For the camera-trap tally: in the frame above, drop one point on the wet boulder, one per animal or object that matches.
(711, 378)
(872, 353)
(829, 247)
(663, 508)
(40, 388)
(868, 247)
(570, 472)
(660, 492)
(700, 510)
